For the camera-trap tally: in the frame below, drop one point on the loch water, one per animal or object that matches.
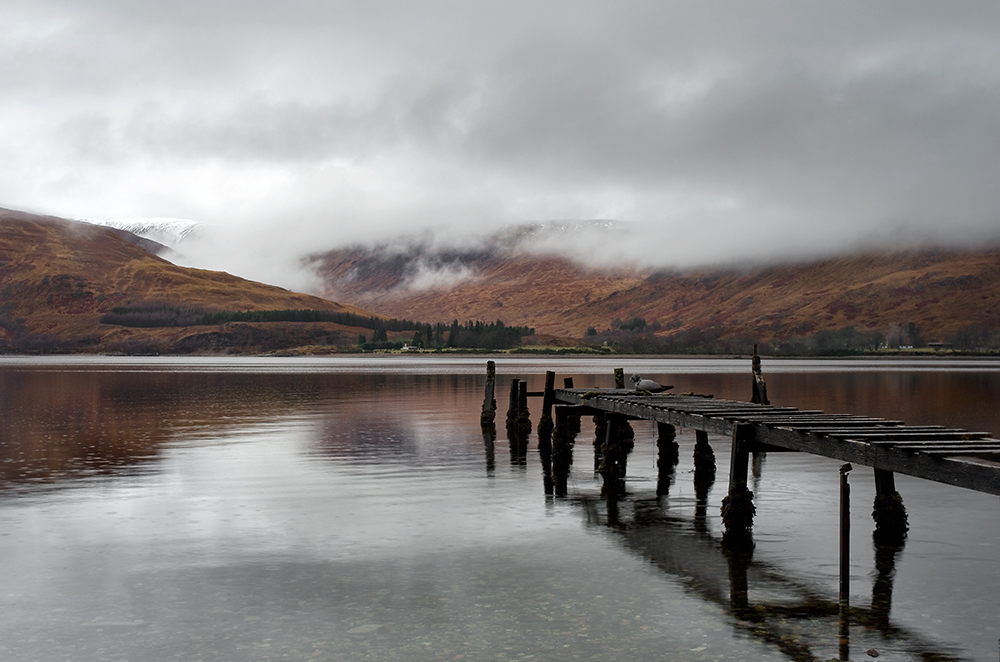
(350, 508)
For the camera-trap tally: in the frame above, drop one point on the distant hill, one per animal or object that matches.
(59, 278)
(908, 297)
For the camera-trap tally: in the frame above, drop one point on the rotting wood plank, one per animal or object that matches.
(962, 451)
(931, 443)
(962, 445)
(860, 429)
(905, 435)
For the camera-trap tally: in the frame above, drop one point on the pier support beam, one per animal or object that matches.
(489, 414)
(888, 511)
(704, 458)
(563, 440)
(738, 509)
(523, 423)
(545, 423)
(600, 435)
(759, 390)
(612, 458)
(667, 457)
(845, 562)
(512, 407)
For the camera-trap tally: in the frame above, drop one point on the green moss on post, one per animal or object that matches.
(600, 433)
(891, 521)
(738, 512)
(489, 414)
(512, 408)
(704, 459)
(667, 458)
(545, 427)
(523, 422)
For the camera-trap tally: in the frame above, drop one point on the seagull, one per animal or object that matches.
(648, 385)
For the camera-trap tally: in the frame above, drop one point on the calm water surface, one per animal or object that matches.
(351, 509)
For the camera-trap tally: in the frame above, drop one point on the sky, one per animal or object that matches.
(713, 131)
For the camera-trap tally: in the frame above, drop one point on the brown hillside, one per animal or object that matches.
(940, 291)
(60, 276)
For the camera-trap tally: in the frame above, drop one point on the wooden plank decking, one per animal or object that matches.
(946, 455)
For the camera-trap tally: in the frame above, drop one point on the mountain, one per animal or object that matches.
(60, 278)
(905, 297)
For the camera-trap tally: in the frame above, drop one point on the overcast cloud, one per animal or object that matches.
(718, 131)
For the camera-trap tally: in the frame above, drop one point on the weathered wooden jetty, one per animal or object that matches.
(953, 456)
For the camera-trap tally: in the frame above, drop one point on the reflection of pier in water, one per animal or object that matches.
(798, 619)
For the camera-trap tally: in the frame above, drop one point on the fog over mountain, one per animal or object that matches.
(712, 132)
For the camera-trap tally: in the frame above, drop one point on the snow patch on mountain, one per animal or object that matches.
(167, 231)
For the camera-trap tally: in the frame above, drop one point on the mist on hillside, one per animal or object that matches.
(710, 132)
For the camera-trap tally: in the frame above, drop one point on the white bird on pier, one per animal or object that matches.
(648, 385)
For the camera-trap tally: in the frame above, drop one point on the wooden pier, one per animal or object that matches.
(953, 456)
(945, 455)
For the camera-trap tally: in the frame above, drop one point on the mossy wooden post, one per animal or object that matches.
(600, 436)
(737, 507)
(512, 407)
(611, 460)
(613, 487)
(489, 415)
(523, 417)
(545, 423)
(567, 425)
(888, 511)
(619, 378)
(704, 458)
(667, 457)
(759, 387)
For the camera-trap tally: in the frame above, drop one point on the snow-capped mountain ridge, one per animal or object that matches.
(167, 231)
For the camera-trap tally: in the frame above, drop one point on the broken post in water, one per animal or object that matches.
(738, 509)
(759, 387)
(545, 423)
(845, 561)
(489, 414)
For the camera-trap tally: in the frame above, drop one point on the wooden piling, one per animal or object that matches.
(759, 387)
(512, 407)
(563, 439)
(845, 561)
(704, 458)
(738, 509)
(619, 378)
(600, 435)
(845, 533)
(611, 459)
(489, 414)
(888, 511)
(545, 424)
(523, 424)
(567, 382)
(667, 456)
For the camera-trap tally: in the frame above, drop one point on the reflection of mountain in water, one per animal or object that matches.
(57, 425)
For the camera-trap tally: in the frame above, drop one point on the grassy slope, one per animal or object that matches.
(940, 291)
(61, 276)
